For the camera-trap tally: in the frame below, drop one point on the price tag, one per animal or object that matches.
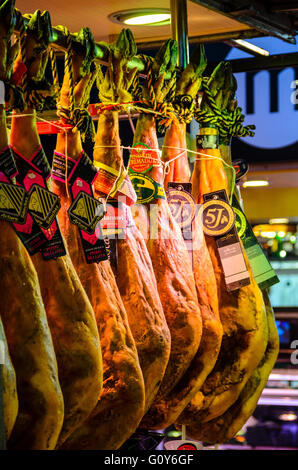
(183, 208)
(218, 220)
(262, 270)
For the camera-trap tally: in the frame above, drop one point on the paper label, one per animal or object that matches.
(209, 141)
(114, 218)
(33, 173)
(227, 241)
(86, 211)
(43, 205)
(262, 270)
(105, 179)
(116, 184)
(14, 203)
(143, 159)
(146, 188)
(218, 217)
(183, 209)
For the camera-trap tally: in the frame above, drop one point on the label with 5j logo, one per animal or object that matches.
(218, 217)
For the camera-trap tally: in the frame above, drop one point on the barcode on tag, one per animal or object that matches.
(2, 352)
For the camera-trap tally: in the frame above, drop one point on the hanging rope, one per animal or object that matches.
(229, 123)
(163, 109)
(77, 116)
(54, 71)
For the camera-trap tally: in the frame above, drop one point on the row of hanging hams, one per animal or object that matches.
(103, 339)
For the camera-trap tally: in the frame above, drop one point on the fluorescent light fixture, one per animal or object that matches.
(278, 401)
(148, 19)
(251, 47)
(255, 183)
(268, 234)
(279, 221)
(142, 16)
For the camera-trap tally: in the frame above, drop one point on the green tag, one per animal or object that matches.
(262, 270)
(14, 203)
(146, 188)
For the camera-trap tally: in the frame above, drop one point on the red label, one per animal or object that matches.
(187, 447)
(114, 218)
(142, 158)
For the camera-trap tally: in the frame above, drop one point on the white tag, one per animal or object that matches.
(2, 92)
(2, 352)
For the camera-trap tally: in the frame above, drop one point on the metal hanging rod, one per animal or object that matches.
(102, 49)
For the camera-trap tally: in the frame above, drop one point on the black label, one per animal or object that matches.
(86, 212)
(59, 166)
(14, 202)
(43, 205)
(84, 169)
(37, 169)
(80, 178)
(241, 168)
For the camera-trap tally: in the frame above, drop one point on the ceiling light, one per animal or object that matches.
(282, 253)
(255, 183)
(268, 234)
(251, 47)
(281, 234)
(290, 416)
(142, 16)
(279, 221)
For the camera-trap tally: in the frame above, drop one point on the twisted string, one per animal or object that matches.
(69, 69)
(163, 109)
(229, 123)
(20, 25)
(54, 70)
(78, 116)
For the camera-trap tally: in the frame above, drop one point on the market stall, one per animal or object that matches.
(137, 276)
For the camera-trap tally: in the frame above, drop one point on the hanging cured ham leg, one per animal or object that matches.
(40, 413)
(121, 403)
(225, 427)
(9, 386)
(171, 264)
(9, 396)
(174, 143)
(133, 270)
(242, 311)
(69, 312)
